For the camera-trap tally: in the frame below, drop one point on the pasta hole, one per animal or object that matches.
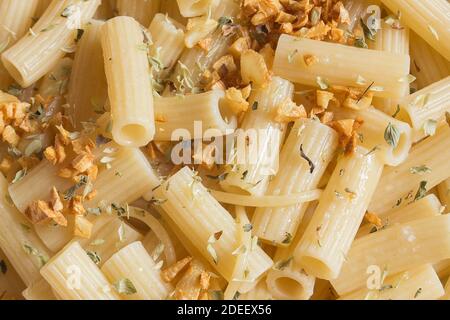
(290, 287)
(133, 132)
(315, 266)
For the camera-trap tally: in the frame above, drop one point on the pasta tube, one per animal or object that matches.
(175, 115)
(421, 283)
(255, 156)
(18, 241)
(130, 177)
(16, 17)
(308, 139)
(391, 39)
(40, 290)
(328, 237)
(395, 249)
(48, 41)
(428, 19)
(429, 104)
(134, 263)
(74, 276)
(423, 208)
(168, 44)
(129, 85)
(195, 8)
(340, 65)
(188, 203)
(425, 168)
(392, 147)
(427, 65)
(88, 89)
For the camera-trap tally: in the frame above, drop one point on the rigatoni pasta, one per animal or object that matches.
(340, 65)
(88, 90)
(307, 140)
(428, 19)
(129, 86)
(322, 250)
(73, 275)
(135, 264)
(395, 249)
(212, 231)
(48, 40)
(424, 169)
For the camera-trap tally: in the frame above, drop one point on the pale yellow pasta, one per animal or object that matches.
(428, 104)
(429, 19)
(134, 263)
(88, 89)
(74, 276)
(427, 165)
(259, 292)
(267, 201)
(341, 65)
(444, 193)
(421, 283)
(427, 65)
(130, 176)
(254, 158)
(167, 44)
(423, 208)
(194, 8)
(329, 235)
(142, 10)
(129, 85)
(318, 143)
(391, 39)
(196, 116)
(187, 202)
(193, 62)
(291, 284)
(55, 83)
(110, 238)
(286, 279)
(394, 40)
(372, 133)
(16, 17)
(40, 290)
(357, 9)
(18, 241)
(395, 249)
(153, 245)
(48, 41)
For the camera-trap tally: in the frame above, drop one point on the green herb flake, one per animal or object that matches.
(125, 287)
(421, 170)
(422, 192)
(392, 135)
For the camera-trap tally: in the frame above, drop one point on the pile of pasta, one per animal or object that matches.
(346, 196)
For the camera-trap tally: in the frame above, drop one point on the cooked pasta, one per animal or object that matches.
(224, 150)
